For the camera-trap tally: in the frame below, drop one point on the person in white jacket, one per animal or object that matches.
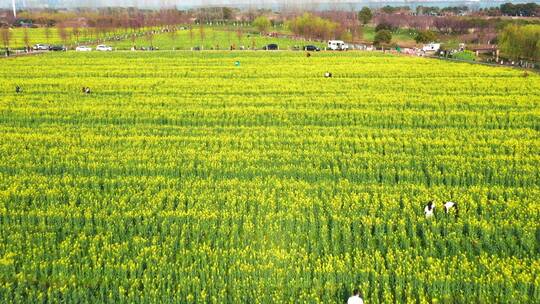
(449, 206)
(429, 209)
(355, 298)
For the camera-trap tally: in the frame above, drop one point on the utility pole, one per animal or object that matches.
(14, 9)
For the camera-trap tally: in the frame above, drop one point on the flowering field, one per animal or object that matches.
(210, 38)
(185, 178)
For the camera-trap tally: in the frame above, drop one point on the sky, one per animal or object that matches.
(240, 3)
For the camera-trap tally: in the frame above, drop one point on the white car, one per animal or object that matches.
(103, 48)
(41, 47)
(83, 48)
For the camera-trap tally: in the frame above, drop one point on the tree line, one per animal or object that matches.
(521, 42)
(426, 23)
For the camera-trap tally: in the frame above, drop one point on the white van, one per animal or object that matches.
(103, 48)
(432, 47)
(337, 45)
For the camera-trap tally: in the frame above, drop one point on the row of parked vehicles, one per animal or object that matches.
(101, 48)
(47, 47)
(275, 47)
(80, 48)
(334, 45)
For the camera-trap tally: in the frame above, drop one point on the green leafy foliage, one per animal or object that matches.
(382, 37)
(262, 23)
(384, 26)
(425, 36)
(311, 26)
(521, 42)
(365, 15)
(465, 55)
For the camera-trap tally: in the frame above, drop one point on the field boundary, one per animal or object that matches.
(536, 70)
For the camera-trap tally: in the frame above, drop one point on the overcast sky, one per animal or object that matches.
(191, 3)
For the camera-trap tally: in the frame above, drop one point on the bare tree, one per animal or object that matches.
(452, 25)
(103, 26)
(6, 38)
(421, 22)
(26, 39)
(84, 33)
(173, 33)
(354, 24)
(214, 39)
(239, 35)
(202, 33)
(191, 35)
(63, 33)
(229, 36)
(93, 33)
(139, 21)
(125, 23)
(76, 33)
(47, 33)
(360, 32)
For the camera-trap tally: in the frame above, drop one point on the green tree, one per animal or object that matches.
(389, 9)
(311, 26)
(382, 37)
(425, 36)
(346, 36)
(227, 13)
(365, 15)
(385, 26)
(262, 24)
(520, 42)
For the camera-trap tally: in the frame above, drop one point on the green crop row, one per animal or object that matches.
(184, 177)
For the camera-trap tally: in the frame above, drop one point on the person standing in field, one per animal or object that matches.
(355, 298)
(429, 209)
(449, 206)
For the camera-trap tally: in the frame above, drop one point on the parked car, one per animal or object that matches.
(103, 48)
(41, 47)
(83, 48)
(311, 48)
(337, 45)
(57, 48)
(432, 47)
(150, 48)
(271, 47)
